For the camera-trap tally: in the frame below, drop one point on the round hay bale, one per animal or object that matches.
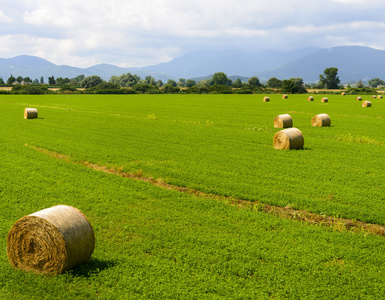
(359, 98)
(374, 96)
(343, 94)
(30, 113)
(266, 99)
(366, 104)
(284, 96)
(310, 98)
(324, 99)
(320, 120)
(379, 97)
(50, 241)
(283, 121)
(290, 138)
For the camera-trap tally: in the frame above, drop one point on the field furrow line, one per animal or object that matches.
(331, 222)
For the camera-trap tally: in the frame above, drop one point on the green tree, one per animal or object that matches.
(1, 80)
(42, 80)
(62, 81)
(293, 86)
(11, 79)
(297, 81)
(254, 82)
(274, 83)
(376, 82)
(237, 83)
(220, 78)
(51, 80)
(125, 80)
(181, 82)
(190, 83)
(172, 82)
(329, 79)
(159, 83)
(90, 81)
(19, 79)
(79, 78)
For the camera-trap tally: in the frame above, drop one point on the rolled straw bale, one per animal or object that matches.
(284, 96)
(310, 98)
(366, 104)
(324, 99)
(283, 121)
(266, 99)
(374, 96)
(50, 241)
(379, 97)
(359, 98)
(30, 113)
(290, 138)
(343, 94)
(320, 120)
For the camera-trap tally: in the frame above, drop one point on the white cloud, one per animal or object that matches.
(137, 32)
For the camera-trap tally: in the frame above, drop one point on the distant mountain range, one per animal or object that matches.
(353, 62)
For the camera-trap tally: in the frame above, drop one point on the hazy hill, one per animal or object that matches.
(353, 62)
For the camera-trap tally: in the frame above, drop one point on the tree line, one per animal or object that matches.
(219, 83)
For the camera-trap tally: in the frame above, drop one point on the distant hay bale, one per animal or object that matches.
(379, 97)
(343, 94)
(50, 241)
(374, 96)
(366, 104)
(266, 99)
(290, 138)
(30, 113)
(284, 96)
(320, 120)
(283, 121)
(359, 98)
(310, 98)
(324, 100)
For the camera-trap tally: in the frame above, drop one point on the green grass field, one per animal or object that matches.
(155, 243)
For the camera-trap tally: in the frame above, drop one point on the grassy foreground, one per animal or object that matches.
(154, 243)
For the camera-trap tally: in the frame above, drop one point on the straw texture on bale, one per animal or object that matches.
(283, 121)
(379, 96)
(324, 99)
(320, 120)
(266, 99)
(366, 104)
(359, 98)
(50, 241)
(284, 96)
(290, 138)
(310, 98)
(30, 113)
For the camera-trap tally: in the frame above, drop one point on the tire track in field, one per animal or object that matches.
(334, 223)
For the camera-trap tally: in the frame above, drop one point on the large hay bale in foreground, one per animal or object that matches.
(310, 98)
(366, 104)
(283, 121)
(266, 99)
(284, 96)
(50, 241)
(324, 100)
(320, 120)
(359, 98)
(290, 138)
(30, 113)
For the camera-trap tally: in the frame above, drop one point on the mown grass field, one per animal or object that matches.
(155, 243)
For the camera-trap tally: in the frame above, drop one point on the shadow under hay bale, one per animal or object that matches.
(30, 113)
(283, 121)
(290, 138)
(266, 99)
(310, 98)
(50, 241)
(366, 104)
(324, 100)
(320, 120)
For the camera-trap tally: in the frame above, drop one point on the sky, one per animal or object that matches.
(137, 33)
